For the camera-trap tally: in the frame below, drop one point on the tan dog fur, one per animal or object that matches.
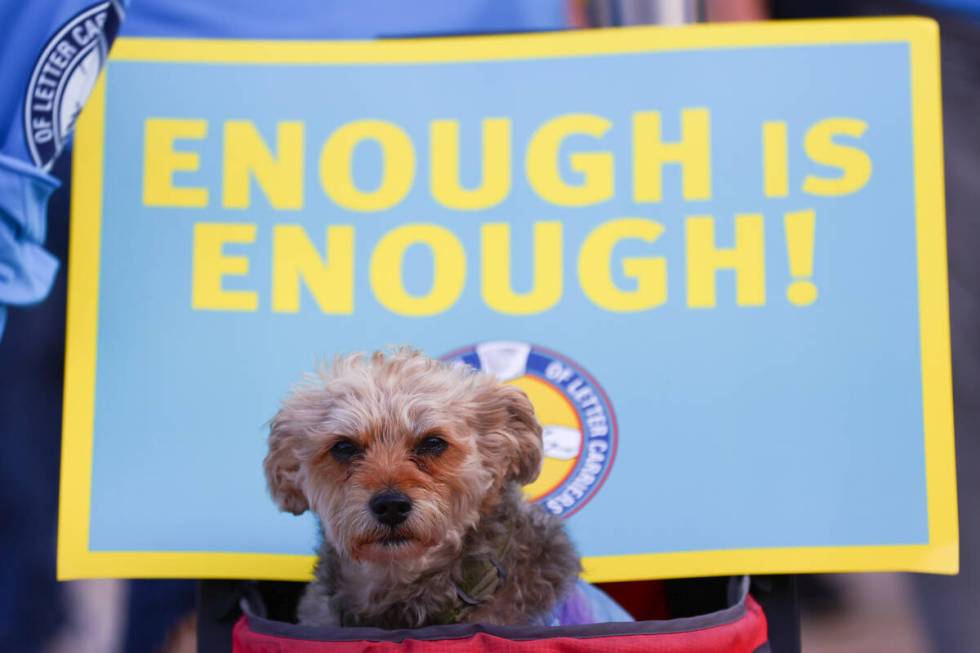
(466, 500)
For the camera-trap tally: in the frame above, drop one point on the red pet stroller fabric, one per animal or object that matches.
(739, 628)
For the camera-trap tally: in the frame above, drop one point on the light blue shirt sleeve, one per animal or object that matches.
(52, 51)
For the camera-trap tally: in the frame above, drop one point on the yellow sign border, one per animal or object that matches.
(940, 555)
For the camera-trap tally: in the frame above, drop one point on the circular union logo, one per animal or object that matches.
(63, 77)
(579, 427)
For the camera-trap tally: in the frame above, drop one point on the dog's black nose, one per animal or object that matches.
(390, 507)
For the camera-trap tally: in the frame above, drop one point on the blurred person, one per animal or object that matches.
(51, 54)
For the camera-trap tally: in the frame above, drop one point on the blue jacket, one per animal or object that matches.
(52, 52)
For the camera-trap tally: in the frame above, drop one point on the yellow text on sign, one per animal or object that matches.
(324, 264)
(567, 161)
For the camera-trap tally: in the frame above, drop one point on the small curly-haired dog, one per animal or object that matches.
(414, 468)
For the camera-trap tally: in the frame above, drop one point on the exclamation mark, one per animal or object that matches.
(800, 232)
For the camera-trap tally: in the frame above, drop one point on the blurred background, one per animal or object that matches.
(887, 613)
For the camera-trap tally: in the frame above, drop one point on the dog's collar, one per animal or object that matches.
(480, 578)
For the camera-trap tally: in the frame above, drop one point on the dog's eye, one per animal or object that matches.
(432, 445)
(344, 451)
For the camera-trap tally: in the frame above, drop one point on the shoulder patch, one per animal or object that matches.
(63, 77)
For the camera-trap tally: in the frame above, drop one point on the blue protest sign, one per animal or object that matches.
(713, 257)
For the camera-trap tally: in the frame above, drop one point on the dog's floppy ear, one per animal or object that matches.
(282, 466)
(517, 438)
